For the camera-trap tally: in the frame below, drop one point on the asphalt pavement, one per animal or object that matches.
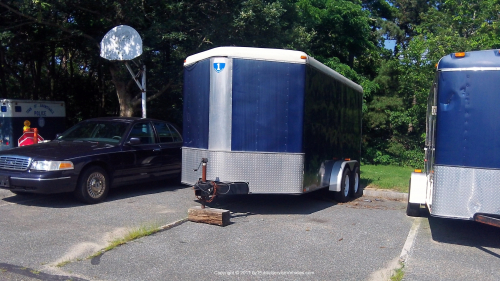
(454, 250)
(271, 237)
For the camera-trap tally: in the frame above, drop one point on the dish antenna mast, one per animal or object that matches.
(123, 43)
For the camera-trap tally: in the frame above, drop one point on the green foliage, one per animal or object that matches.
(49, 49)
(385, 177)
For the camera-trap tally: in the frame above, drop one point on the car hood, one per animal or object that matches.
(59, 150)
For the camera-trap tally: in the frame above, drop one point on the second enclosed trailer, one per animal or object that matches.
(270, 121)
(462, 147)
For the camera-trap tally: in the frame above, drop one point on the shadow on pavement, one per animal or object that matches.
(465, 233)
(67, 200)
(273, 204)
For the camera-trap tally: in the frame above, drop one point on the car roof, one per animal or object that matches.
(123, 119)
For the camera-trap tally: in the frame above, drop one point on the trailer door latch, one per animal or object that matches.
(434, 110)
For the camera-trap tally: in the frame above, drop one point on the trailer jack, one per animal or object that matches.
(206, 190)
(203, 190)
(487, 219)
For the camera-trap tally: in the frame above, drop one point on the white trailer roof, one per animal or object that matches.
(278, 55)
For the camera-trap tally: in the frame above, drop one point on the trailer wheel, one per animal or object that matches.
(343, 195)
(412, 209)
(356, 190)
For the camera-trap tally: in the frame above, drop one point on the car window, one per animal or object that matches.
(99, 131)
(144, 132)
(166, 132)
(177, 137)
(163, 132)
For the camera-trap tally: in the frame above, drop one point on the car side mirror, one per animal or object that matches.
(133, 141)
(57, 136)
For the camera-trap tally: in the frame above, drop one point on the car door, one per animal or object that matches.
(147, 160)
(170, 142)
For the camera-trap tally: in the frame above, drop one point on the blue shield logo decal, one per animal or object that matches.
(219, 66)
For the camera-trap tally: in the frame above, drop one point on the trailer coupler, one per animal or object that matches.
(206, 191)
(493, 220)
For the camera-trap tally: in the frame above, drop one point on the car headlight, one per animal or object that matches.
(52, 165)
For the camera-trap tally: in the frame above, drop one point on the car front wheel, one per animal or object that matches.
(93, 185)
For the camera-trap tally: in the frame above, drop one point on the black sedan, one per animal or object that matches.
(93, 156)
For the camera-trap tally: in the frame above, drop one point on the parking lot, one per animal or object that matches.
(271, 237)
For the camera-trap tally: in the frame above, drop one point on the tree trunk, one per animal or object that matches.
(414, 103)
(52, 69)
(124, 97)
(3, 81)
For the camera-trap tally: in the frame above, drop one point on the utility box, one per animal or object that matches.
(277, 120)
(49, 117)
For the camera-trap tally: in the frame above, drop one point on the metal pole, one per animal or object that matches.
(143, 91)
(133, 76)
(35, 135)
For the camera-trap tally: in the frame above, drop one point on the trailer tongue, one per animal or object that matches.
(206, 191)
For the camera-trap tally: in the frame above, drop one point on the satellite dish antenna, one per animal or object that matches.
(123, 43)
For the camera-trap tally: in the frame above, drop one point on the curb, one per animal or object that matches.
(386, 194)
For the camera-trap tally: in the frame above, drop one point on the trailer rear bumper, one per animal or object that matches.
(463, 192)
(489, 219)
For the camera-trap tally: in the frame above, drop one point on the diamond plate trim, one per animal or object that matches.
(461, 192)
(264, 172)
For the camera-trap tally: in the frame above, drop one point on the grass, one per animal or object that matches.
(132, 235)
(63, 263)
(386, 177)
(398, 274)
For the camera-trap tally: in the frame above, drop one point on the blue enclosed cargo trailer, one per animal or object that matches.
(462, 147)
(270, 121)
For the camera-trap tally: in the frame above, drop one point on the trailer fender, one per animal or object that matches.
(337, 171)
(418, 188)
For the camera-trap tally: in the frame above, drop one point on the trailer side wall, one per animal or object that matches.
(332, 120)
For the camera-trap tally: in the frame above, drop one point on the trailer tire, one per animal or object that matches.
(412, 209)
(356, 190)
(343, 195)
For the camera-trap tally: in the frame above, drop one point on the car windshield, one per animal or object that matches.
(98, 131)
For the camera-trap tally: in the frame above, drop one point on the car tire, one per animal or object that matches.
(343, 195)
(356, 190)
(93, 185)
